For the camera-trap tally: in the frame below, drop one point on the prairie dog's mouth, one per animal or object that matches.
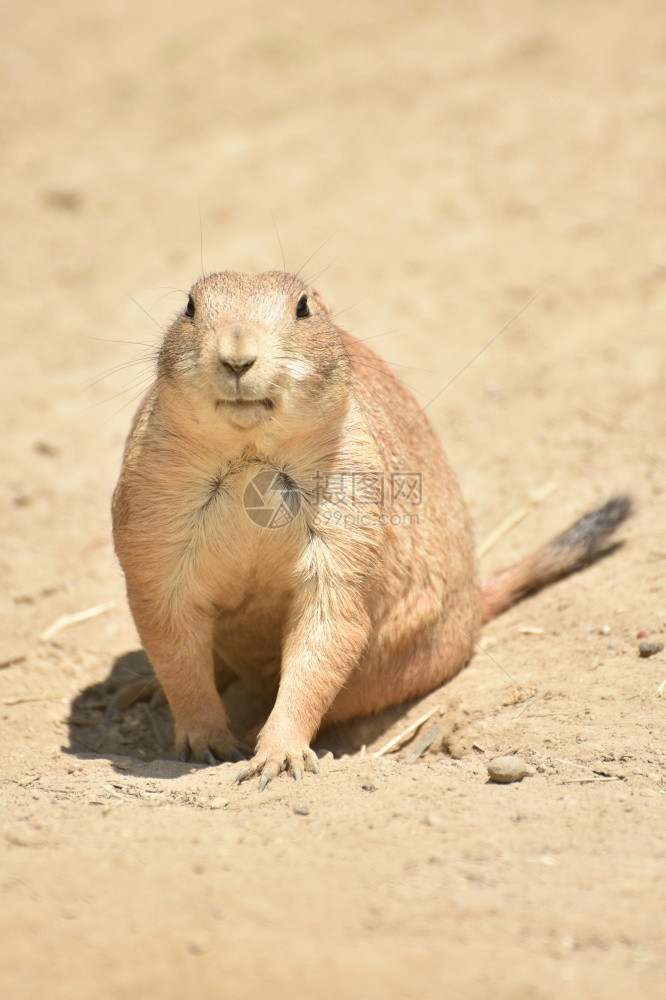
(241, 403)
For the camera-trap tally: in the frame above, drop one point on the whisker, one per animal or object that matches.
(170, 291)
(145, 311)
(347, 308)
(201, 253)
(402, 381)
(277, 233)
(375, 336)
(129, 402)
(318, 250)
(142, 380)
(96, 379)
(394, 364)
(318, 274)
(109, 340)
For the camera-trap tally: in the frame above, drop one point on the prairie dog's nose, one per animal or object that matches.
(237, 366)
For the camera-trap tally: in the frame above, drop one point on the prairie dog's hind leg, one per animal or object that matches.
(148, 688)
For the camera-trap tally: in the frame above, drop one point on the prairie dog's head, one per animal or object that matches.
(253, 347)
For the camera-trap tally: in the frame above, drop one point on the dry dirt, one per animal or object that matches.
(451, 171)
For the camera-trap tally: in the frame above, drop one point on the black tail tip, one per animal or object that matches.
(613, 513)
(591, 531)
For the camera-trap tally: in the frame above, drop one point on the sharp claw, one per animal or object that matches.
(185, 753)
(311, 763)
(269, 768)
(209, 758)
(266, 775)
(236, 754)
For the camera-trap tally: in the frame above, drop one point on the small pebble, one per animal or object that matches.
(432, 819)
(604, 630)
(218, 803)
(504, 770)
(196, 946)
(301, 810)
(648, 647)
(46, 448)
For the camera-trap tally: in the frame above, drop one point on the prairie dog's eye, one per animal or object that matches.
(189, 310)
(302, 309)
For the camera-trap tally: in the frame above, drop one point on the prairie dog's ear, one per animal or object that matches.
(315, 302)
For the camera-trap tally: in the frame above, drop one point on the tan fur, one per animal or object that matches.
(349, 608)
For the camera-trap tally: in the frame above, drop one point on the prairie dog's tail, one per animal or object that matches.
(578, 545)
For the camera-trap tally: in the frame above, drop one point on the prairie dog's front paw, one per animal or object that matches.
(271, 760)
(209, 745)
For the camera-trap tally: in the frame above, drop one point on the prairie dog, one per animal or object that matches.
(285, 514)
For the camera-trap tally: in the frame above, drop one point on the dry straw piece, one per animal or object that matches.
(78, 616)
(536, 497)
(402, 736)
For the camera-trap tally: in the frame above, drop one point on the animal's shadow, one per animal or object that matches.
(139, 738)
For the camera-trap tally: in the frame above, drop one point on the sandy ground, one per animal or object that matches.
(452, 171)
